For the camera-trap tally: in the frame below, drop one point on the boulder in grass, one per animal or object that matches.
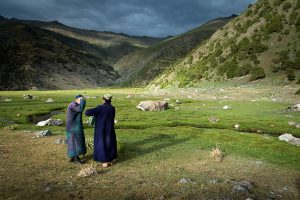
(296, 107)
(153, 105)
(27, 97)
(44, 133)
(289, 138)
(43, 123)
(50, 100)
(55, 122)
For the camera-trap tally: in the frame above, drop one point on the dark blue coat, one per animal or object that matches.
(105, 142)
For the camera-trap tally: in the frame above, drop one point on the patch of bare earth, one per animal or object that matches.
(38, 169)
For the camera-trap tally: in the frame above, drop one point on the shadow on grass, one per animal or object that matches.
(149, 145)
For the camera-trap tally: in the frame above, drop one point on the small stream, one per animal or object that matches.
(41, 117)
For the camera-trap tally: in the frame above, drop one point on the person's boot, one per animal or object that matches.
(72, 159)
(78, 161)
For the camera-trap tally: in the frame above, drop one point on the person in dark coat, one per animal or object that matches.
(74, 130)
(105, 142)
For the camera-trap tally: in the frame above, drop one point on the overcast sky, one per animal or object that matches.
(157, 18)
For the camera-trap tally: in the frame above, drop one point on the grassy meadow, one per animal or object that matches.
(159, 149)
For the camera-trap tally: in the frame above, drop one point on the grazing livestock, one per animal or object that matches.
(153, 105)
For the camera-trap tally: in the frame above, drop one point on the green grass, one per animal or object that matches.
(190, 121)
(159, 149)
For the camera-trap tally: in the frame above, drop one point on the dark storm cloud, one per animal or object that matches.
(135, 17)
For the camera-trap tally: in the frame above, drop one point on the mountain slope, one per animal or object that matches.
(263, 40)
(116, 45)
(31, 57)
(141, 67)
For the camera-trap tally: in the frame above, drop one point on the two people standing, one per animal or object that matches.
(105, 143)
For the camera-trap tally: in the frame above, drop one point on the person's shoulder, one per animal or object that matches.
(72, 103)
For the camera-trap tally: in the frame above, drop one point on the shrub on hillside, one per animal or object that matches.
(275, 69)
(290, 74)
(293, 17)
(279, 38)
(297, 92)
(274, 25)
(249, 12)
(231, 68)
(298, 80)
(278, 2)
(297, 63)
(245, 69)
(286, 6)
(257, 73)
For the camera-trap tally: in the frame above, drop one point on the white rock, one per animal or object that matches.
(236, 126)
(289, 138)
(296, 107)
(292, 123)
(50, 100)
(43, 123)
(7, 100)
(226, 107)
(44, 133)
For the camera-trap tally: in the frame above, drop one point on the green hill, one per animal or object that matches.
(141, 67)
(35, 58)
(262, 41)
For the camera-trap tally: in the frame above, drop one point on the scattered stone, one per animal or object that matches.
(185, 180)
(48, 189)
(50, 100)
(240, 186)
(60, 141)
(87, 171)
(166, 99)
(258, 162)
(44, 133)
(295, 107)
(215, 181)
(18, 115)
(55, 122)
(217, 154)
(7, 100)
(259, 131)
(237, 126)
(177, 101)
(27, 97)
(90, 121)
(153, 105)
(292, 123)
(129, 96)
(189, 97)
(116, 121)
(213, 119)
(226, 107)
(289, 138)
(43, 123)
